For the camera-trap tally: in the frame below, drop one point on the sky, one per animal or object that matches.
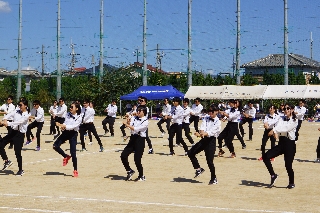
(213, 32)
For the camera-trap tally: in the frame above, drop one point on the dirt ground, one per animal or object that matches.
(47, 186)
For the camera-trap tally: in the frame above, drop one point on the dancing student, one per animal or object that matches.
(6, 109)
(87, 124)
(166, 109)
(142, 102)
(37, 113)
(60, 115)
(269, 122)
(177, 116)
(69, 128)
(299, 111)
(317, 160)
(231, 129)
(237, 106)
(185, 123)
(285, 131)
(209, 131)
(53, 128)
(196, 109)
(19, 124)
(138, 126)
(281, 110)
(249, 113)
(128, 115)
(111, 117)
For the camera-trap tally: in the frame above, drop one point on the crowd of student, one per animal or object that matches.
(281, 124)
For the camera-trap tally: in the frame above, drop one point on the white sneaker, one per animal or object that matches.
(90, 143)
(163, 133)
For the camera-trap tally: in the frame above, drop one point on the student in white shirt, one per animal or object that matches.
(19, 123)
(37, 113)
(53, 127)
(166, 109)
(6, 109)
(185, 123)
(111, 117)
(249, 113)
(177, 116)
(285, 130)
(300, 111)
(60, 115)
(196, 109)
(69, 128)
(128, 116)
(138, 126)
(209, 131)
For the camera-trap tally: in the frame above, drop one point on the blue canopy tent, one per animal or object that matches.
(153, 93)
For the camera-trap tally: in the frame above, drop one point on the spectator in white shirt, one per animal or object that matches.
(196, 109)
(111, 117)
(300, 111)
(53, 128)
(6, 109)
(37, 113)
(249, 113)
(166, 109)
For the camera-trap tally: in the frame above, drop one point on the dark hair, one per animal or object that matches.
(114, 100)
(274, 107)
(166, 99)
(36, 102)
(176, 99)
(294, 117)
(77, 105)
(303, 101)
(61, 99)
(186, 100)
(25, 102)
(143, 109)
(10, 96)
(55, 101)
(86, 100)
(213, 108)
(92, 103)
(197, 99)
(232, 101)
(22, 98)
(204, 111)
(144, 98)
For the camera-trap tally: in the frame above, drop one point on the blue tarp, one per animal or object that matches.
(154, 93)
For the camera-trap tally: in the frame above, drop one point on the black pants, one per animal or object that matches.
(298, 128)
(167, 121)
(59, 120)
(108, 120)
(243, 121)
(228, 134)
(29, 134)
(53, 128)
(9, 131)
(72, 137)
(240, 138)
(176, 129)
(17, 138)
(186, 128)
(318, 148)
(136, 144)
(194, 119)
(265, 138)
(122, 128)
(90, 128)
(286, 147)
(208, 144)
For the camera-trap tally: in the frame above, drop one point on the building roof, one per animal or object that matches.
(277, 60)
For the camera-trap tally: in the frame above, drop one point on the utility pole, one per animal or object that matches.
(238, 44)
(73, 57)
(286, 81)
(101, 43)
(137, 53)
(189, 69)
(58, 54)
(159, 58)
(145, 71)
(42, 60)
(93, 64)
(311, 46)
(19, 52)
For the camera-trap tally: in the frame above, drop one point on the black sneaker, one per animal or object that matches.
(172, 154)
(7, 164)
(215, 181)
(143, 178)
(244, 147)
(273, 179)
(291, 186)
(129, 174)
(20, 173)
(150, 151)
(199, 172)
(221, 152)
(10, 147)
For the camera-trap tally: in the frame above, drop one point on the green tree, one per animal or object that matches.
(248, 80)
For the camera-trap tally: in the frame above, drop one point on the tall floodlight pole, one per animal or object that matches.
(238, 44)
(58, 54)
(285, 42)
(101, 43)
(189, 69)
(145, 71)
(19, 52)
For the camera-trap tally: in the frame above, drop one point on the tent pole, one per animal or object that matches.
(120, 110)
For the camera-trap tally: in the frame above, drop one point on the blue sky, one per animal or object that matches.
(213, 32)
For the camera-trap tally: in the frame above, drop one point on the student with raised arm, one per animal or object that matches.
(7, 108)
(196, 109)
(60, 115)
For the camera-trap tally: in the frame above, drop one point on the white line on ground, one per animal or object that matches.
(32, 210)
(141, 203)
